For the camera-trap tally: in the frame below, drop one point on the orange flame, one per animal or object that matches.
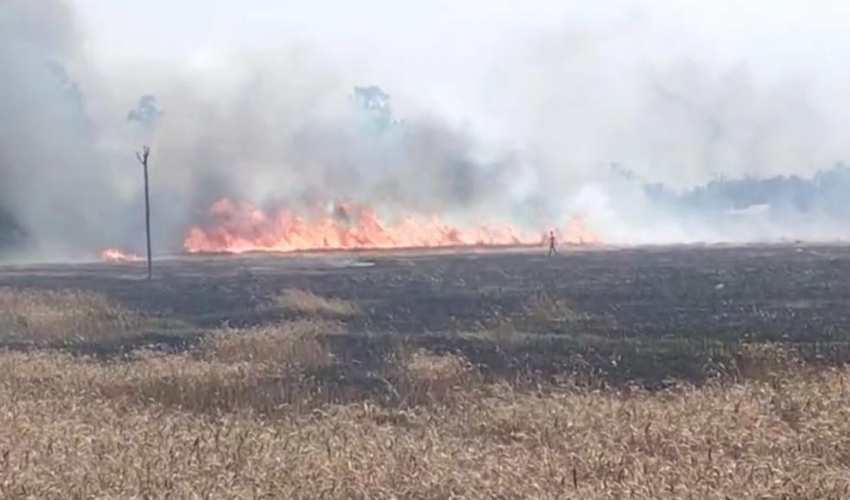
(577, 232)
(243, 227)
(118, 255)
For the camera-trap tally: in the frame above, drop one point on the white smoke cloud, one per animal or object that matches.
(54, 183)
(521, 125)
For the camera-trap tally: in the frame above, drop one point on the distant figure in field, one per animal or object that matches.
(552, 249)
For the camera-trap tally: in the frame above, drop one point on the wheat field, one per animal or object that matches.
(273, 412)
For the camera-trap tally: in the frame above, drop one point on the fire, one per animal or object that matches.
(577, 232)
(243, 227)
(118, 255)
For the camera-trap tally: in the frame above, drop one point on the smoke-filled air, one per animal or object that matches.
(357, 125)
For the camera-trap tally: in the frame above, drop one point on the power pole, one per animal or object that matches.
(143, 159)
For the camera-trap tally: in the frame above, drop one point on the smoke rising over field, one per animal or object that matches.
(52, 179)
(527, 137)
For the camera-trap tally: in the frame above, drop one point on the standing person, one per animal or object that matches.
(552, 250)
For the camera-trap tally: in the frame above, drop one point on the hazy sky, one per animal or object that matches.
(445, 50)
(400, 32)
(507, 103)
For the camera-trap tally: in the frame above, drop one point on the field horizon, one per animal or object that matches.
(640, 373)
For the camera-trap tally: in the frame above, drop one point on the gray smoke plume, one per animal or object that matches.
(547, 119)
(277, 141)
(272, 138)
(54, 186)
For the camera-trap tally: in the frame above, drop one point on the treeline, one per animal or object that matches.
(823, 194)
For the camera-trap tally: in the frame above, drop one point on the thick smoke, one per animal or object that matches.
(544, 126)
(304, 136)
(55, 188)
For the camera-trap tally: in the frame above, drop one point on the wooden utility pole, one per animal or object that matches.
(143, 159)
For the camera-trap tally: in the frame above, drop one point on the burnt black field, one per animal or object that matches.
(635, 314)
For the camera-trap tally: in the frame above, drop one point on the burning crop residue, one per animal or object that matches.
(244, 227)
(117, 255)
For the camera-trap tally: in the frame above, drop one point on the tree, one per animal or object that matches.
(146, 112)
(376, 102)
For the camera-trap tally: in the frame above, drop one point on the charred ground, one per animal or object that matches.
(620, 316)
(641, 373)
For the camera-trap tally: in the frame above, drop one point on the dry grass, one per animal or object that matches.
(44, 317)
(274, 412)
(263, 370)
(540, 312)
(767, 361)
(428, 367)
(291, 345)
(65, 431)
(299, 301)
(425, 378)
(502, 330)
(542, 307)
